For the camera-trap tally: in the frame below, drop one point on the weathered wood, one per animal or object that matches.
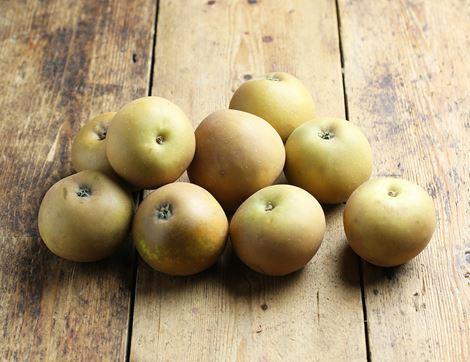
(204, 51)
(407, 81)
(61, 62)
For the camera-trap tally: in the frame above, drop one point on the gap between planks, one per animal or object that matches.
(346, 111)
(135, 256)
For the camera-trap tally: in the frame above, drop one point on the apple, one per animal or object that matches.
(277, 230)
(388, 221)
(237, 154)
(89, 145)
(279, 98)
(150, 142)
(180, 229)
(328, 157)
(85, 216)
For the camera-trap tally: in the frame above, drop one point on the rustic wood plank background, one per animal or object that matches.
(405, 81)
(230, 312)
(61, 62)
(408, 86)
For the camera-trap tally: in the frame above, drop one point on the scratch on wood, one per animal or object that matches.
(318, 305)
(52, 150)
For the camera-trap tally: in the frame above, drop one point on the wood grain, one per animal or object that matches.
(407, 75)
(205, 49)
(62, 62)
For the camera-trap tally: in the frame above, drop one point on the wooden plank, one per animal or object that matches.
(407, 75)
(204, 51)
(61, 62)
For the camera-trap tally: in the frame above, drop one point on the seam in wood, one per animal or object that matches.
(341, 56)
(346, 110)
(364, 307)
(154, 46)
(135, 258)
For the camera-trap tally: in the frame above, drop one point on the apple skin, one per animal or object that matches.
(89, 227)
(89, 146)
(388, 221)
(89, 149)
(277, 230)
(150, 142)
(279, 98)
(237, 154)
(328, 157)
(180, 229)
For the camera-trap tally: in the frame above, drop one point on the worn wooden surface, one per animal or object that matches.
(407, 84)
(61, 62)
(229, 312)
(406, 77)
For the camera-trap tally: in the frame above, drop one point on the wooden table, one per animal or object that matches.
(399, 69)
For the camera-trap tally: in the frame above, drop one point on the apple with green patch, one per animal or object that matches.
(85, 217)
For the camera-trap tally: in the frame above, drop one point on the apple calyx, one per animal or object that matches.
(164, 212)
(159, 139)
(326, 135)
(83, 191)
(392, 193)
(269, 206)
(101, 133)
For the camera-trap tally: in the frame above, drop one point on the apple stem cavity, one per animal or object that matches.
(273, 77)
(164, 212)
(160, 139)
(326, 135)
(269, 206)
(84, 191)
(392, 193)
(102, 133)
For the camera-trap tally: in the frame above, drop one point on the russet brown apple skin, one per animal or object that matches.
(85, 217)
(328, 157)
(89, 146)
(388, 221)
(279, 98)
(150, 142)
(237, 154)
(180, 229)
(277, 230)
(89, 149)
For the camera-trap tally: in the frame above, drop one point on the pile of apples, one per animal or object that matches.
(233, 159)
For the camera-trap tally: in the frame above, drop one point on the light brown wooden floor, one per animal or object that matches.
(399, 69)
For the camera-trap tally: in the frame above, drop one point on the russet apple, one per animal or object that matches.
(150, 142)
(328, 157)
(237, 154)
(180, 229)
(89, 145)
(388, 221)
(277, 230)
(85, 216)
(279, 98)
